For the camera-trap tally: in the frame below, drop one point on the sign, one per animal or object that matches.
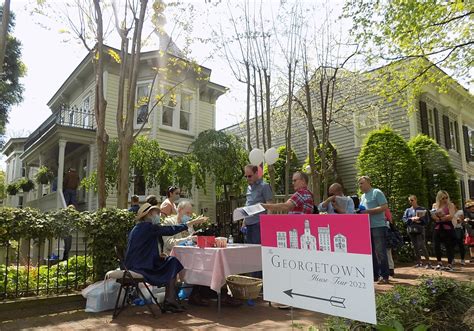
(319, 262)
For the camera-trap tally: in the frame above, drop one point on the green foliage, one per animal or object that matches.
(186, 168)
(16, 223)
(44, 175)
(279, 167)
(74, 273)
(90, 183)
(26, 184)
(221, 156)
(393, 168)
(2, 185)
(436, 168)
(107, 228)
(406, 33)
(12, 188)
(436, 303)
(11, 90)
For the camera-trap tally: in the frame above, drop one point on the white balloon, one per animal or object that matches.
(271, 155)
(256, 156)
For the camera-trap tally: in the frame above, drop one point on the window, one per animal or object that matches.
(364, 122)
(142, 97)
(139, 185)
(177, 109)
(471, 141)
(85, 112)
(452, 135)
(431, 123)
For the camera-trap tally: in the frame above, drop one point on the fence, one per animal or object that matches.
(29, 267)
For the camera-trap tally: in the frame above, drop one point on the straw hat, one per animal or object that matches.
(469, 203)
(144, 210)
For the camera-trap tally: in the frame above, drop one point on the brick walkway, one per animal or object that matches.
(259, 317)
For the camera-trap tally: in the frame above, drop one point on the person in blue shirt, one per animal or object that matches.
(257, 192)
(416, 218)
(337, 203)
(134, 204)
(375, 205)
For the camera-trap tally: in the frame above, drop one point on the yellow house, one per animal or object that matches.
(67, 138)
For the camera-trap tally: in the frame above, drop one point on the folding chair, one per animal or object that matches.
(129, 280)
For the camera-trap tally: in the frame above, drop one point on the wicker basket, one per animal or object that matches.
(243, 287)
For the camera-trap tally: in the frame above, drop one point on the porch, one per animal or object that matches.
(65, 140)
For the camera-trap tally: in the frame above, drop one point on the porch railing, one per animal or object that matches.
(29, 267)
(66, 116)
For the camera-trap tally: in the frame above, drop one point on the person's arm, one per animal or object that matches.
(405, 218)
(268, 195)
(282, 206)
(350, 206)
(376, 210)
(166, 209)
(168, 230)
(171, 241)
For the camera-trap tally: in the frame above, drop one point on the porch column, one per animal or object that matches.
(27, 195)
(90, 162)
(40, 186)
(62, 149)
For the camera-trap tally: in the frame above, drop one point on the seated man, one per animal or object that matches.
(143, 256)
(337, 203)
(185, 213)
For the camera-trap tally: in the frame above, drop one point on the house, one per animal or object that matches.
(446, 117)
(67, 138)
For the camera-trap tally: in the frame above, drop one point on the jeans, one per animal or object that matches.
(379, 252)
(70, 197)
(419, 246)
(445, 237)
(253, 237)
(253, 234)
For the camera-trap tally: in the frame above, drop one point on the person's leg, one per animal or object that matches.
(67, 197)
(380, 248)
(437, 245)
(424, 249)
(375, 262)
(416, 246)
(449, 244)
(171, 303)
(460, 243)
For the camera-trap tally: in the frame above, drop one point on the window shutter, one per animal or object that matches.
(424, 118)
(456, 135)
(447, 138)
(471, 188)
(436, 123)
(467, 146)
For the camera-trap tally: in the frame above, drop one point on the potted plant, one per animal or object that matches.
(26, 184)
(12, 189)
(44, 175)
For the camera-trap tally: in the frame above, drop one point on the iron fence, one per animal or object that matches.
(31, 267)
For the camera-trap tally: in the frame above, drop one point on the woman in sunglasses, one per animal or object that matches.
(442, 214)
(168, 207)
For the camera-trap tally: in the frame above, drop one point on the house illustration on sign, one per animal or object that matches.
(324, 236)
(308, 241)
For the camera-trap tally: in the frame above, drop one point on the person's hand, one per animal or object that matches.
(415, 219)
(365, 211)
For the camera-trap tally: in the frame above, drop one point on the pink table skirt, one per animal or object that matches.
(211, 266)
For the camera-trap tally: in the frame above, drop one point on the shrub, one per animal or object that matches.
(386, 158)
(437, 303)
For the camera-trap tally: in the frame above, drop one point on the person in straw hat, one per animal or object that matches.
(143, 255)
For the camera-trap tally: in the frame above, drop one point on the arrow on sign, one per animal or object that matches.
(335, 301)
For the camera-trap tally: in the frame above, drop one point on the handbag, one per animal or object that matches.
(468, 240)
(394, 238)
(415, 228)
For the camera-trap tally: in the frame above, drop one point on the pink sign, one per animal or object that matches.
(334, 233)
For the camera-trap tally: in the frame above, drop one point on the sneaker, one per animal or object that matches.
(428, 266)
(418, 265)
(439, 266)
(463, 262)
(449, 268)
(391, 272)
(383, 281)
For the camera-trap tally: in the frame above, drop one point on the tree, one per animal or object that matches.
(12, 69)
(393, 168)
(436, 168)
(2, 185)
(415, 37)
(4, 29)
(221, 157)
(280, 170)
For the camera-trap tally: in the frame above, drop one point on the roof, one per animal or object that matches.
(11, 143)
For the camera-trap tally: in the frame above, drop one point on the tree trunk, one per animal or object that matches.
(262, 109)
(288, 133)
(4, 32)
(312, 164)
(127, 137)
(100, 107)
(247, 70)
(257, 136)
(324, 138)
(271, 168)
